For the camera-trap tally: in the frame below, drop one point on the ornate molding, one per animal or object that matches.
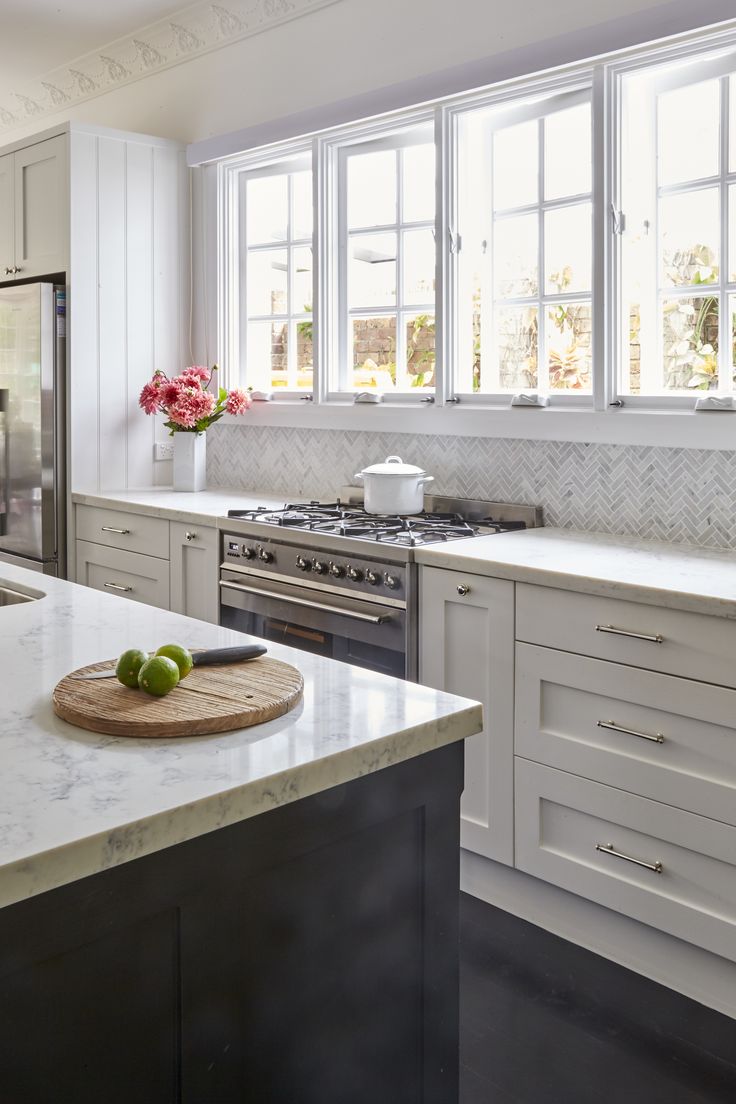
(194, 30)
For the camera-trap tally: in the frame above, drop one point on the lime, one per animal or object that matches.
(129, 665)
(181, 657)
(158, 676)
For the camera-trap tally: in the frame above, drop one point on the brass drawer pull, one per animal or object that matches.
(609, 849)
(658, 737)
(112, 529)
(117, 586)
(652, 639)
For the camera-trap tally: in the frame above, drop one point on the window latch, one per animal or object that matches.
(618, 219)
(456, 242)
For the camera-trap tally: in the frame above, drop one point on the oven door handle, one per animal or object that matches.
(356, 615)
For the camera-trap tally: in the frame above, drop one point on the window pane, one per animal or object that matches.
(568, 337)
(516, 256)
(732, 123)
(732, 233)
(688, 132)
(267, 209)
(267, 282)
(568, 249)
(516, 345)
(690, 343)
(419, 183)
(374, 353)
(372, 270)
(266, 358)
(301, 338)
(516, 165)
(301, 205)
(689, 235)
(302, 285)
(732, 309)
(419, 331)
(372, 189)
(419, 266)
(567, 153)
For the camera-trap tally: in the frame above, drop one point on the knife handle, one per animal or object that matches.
(228, 655)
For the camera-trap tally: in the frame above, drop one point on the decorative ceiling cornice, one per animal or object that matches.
(194, 30)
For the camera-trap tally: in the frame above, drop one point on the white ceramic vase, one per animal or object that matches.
(190, 461)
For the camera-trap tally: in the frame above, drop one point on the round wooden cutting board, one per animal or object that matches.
(209, 699)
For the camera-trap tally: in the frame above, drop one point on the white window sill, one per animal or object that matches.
(667, 428)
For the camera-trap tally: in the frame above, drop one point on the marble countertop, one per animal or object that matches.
(677, 576)
(202, 507)
(74, 802)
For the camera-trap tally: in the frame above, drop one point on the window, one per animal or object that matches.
(276, 284)
(524, 248)
(386, 259)
(678, 203)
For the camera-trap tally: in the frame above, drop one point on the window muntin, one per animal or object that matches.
(386, 265)
(678, 276)
(277, 278)
(523, 297)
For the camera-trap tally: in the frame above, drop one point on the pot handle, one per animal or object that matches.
(427, 479)
(394, 460)
(358, 476)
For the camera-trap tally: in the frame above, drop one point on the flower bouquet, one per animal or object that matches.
(190, 408)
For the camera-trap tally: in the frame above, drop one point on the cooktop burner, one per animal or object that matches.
(336, 518)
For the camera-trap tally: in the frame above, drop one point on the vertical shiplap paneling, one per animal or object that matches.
(140, 313)
(166, 277)
(112, 314)
(82, 349)
(204, 261)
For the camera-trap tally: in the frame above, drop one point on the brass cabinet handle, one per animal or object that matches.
(656, 638)
(112, 529)
(657, 738)
(609, 849)
(463, 589)
(117, 586)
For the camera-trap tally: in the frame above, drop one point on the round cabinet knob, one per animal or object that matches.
(8, 271)
(320, 567)
(248, 552)
(337, 570)
(191, 536)
(391, 582)
(372, 577)
(355, 574)
(302, 564)
(265, 556)
(15, 270)
(463, 589)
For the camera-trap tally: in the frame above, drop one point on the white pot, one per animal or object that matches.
(394, 487)
(190, 461)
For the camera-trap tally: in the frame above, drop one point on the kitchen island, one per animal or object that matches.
(265, 915)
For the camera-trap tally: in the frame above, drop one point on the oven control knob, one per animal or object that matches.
(372, 577)
(337, 570)
(355, 574)
(248, 552)
(391, 582)
(320, 567)
(302, 564)
(264, 555)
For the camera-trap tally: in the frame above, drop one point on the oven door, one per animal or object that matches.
(354, 630)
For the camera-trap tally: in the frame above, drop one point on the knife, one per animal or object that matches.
(199, 659)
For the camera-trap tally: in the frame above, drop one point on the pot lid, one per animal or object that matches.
(393, 465)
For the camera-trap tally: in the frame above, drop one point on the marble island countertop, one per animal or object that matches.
(74, 802)
(654, 572)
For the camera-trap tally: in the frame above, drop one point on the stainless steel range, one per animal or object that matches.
(333, 579)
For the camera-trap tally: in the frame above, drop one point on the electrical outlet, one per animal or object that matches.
(163, 450)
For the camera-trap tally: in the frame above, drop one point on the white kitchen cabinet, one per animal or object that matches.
(194, 571)
(7, 220)
(126, 574)
(41, 208)
(466, 646)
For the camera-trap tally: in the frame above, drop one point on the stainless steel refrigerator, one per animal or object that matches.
(32, 417)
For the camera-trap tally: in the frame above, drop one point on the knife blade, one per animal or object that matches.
(207, 658)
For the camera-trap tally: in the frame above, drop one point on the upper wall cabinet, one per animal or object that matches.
(34, 210)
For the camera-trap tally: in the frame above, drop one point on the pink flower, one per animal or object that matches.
(191, 405)
(170, 391)
(197, 371)
(238, 401)
(150, 397)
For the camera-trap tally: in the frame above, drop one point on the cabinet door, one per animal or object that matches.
(466, 646)
(7, 245)
(126, 574)
(41, 208)
(194, 574)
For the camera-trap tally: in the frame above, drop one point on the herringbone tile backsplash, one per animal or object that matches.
(684, 495)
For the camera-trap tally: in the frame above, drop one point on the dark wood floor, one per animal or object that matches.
(545, 1022)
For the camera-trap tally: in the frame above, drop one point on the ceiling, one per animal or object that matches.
(41, 35)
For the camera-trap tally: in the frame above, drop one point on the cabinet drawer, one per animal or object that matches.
(119, 529)
(662, 737)
(562, 821)
(127, 574)
(693, 645)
